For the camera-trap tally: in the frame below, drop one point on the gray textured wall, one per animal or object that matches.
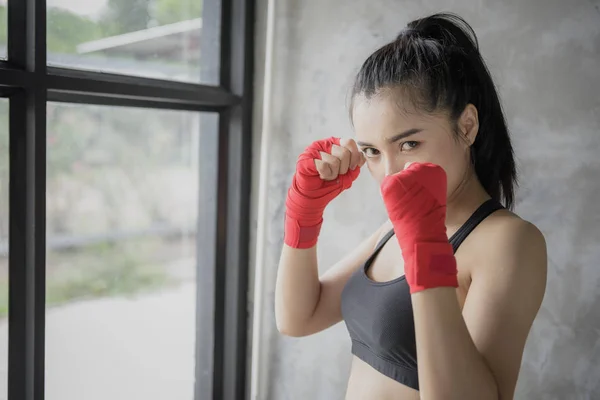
(545, 57)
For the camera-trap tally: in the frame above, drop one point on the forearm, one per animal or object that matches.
(450, 366)
(297, 289)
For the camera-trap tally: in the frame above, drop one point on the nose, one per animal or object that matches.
(393, 165)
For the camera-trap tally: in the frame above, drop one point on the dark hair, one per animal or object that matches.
(437, 61)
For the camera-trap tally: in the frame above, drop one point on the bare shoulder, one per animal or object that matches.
(508, 282)
(509, 244)
(504, 224)
(505, 230)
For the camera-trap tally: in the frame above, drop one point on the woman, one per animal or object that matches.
(440, 299)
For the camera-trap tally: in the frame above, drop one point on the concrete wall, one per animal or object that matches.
(545, 57)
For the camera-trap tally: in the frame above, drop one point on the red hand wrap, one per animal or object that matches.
(415, 199)
(309, 195)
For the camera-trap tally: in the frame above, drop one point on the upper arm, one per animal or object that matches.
(503, 300)
(328, 310)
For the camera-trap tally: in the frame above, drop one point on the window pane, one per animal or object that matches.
(3, 248)
(3, 28)
(150, 38)
(122, 190)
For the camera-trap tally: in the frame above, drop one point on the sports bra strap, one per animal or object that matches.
(475, 219)
(482, 212)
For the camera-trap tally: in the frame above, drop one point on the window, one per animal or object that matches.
(124, 198)
(151, 38)
(3, 28)
(121, 212)
(3, 247)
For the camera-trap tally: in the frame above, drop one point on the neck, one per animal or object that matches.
(464, 201)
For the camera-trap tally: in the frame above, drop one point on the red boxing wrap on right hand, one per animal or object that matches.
(415, 199)
(309, 195)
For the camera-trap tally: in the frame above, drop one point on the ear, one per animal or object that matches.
(468, 124)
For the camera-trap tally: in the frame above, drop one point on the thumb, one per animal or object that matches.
(349, 177)
(385, 185)
(362, 160)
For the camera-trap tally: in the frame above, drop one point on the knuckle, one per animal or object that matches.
(351, 144)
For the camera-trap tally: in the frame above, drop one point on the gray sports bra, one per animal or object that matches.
(379, 315)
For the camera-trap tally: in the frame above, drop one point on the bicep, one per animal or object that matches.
(502, 303)
(328, 311)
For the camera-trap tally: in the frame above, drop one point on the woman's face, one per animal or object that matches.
(390, 138)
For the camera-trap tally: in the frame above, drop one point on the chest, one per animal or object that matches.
(388, 265)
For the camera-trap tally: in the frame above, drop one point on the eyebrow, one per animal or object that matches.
(394, 138)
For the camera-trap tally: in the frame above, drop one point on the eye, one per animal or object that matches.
(410, 145)
(370, 152)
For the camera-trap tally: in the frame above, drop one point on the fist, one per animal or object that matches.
(332, 159)
(415, 191)
(325, 169)
(415, 199)
(342, 157)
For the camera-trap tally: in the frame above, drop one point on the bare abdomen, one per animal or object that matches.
(365, 383)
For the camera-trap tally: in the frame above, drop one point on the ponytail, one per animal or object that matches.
(437, 60)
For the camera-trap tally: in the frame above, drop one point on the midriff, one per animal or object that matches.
(366, 383)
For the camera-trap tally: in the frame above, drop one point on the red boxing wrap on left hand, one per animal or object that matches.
(415, 199)
(309, 195)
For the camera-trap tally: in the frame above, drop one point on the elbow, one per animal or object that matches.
(288, 329)
(293, 321)
(289, 326)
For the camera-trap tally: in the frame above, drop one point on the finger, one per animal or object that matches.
(362, 159)
(323, 169)
(408, 164)
(350, 144)
(344, 155)
(333, 166)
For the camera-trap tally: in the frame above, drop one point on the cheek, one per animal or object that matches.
(376, 170)
(452, 163)
(454, 172)
(452, 183)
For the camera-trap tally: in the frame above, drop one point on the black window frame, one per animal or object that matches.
(223, 219)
